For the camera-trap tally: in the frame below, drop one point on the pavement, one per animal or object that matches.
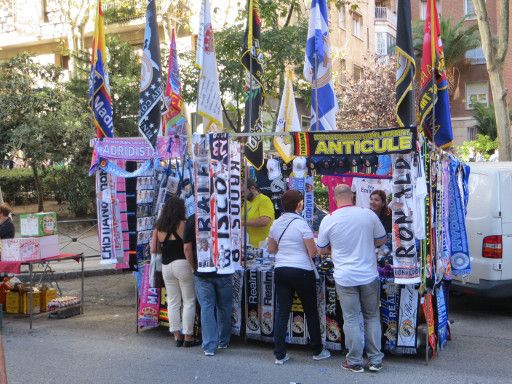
(103, 346)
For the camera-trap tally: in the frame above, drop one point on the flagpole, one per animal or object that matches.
(315, 82)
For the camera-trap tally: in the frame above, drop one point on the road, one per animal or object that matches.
(101, 346)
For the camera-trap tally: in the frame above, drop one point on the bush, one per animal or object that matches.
(483, 144)
(18, 186)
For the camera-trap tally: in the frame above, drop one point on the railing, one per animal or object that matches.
(385, 14)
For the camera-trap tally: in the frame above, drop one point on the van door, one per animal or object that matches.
(483, 219)
(506, 220)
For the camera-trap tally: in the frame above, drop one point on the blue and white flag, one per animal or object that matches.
(318, 69)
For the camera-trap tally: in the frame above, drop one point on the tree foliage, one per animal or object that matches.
(282, 44)
(370, 101)
(483, 144)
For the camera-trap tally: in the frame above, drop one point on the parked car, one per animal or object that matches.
(489, 228)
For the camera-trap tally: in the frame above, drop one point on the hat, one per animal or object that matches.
(273, 168)
(299, 167)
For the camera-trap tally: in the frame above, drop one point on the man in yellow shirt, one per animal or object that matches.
(260, 214)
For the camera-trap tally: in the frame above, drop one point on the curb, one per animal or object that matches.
(78, 274)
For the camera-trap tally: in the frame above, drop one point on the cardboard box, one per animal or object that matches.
(30, 248)
(38, 224)
(12, 302)
(25, 300)
(46, 294)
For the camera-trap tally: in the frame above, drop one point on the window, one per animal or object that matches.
(475, 56)
(342, 16)
(44, 11)
(384, 44)
(471, 133)
(305, 122)
(343, 65)
(476, 92)
(469, 9)
(357, 25)
(358, 73)
(423, 8)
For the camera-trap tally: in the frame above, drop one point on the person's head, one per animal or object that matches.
(171, 216)
(5, 210)
(252, 189)
(378, 201)
(292, 201)
(343, 195)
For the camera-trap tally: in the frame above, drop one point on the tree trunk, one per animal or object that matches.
(39, 188)
(495, 51)
(499, 96)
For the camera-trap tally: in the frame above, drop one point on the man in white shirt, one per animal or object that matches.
(351, 234)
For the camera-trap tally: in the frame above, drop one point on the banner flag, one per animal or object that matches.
(252, 60)
(150, 102)
(406, 67)
(208, 95)
(318, 69)
(434, 100)
(173, 121)
(365, 143)
(287, 120)
(100, 100)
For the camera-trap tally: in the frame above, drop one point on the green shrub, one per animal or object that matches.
(18, 186)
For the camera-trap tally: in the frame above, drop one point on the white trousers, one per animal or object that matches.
(179, 284)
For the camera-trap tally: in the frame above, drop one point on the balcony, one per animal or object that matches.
(384, 14)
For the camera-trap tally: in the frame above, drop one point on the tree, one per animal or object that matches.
(76, 14)
(495, 51)
(44, 121)
(283, 44)
(483, 145)
(370, 101)
(457, 39)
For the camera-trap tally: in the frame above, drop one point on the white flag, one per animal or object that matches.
(287, 120)
(208, 95)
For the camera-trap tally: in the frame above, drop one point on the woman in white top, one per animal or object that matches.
(292, 242)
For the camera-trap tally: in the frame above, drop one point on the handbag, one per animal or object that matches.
(156, 279)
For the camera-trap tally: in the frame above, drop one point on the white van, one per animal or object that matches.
(489, 228)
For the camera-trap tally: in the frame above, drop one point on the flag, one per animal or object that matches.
(150, 102)
(434, 102)
(100, 101)
(252, 60)
(172, 117)
(318, 70)
(208, 95)
(287, 120)
(406, 67)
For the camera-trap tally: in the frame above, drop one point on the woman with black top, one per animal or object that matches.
(6, 224)
(379, 206)
(177, 271)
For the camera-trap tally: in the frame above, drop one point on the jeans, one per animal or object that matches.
(215, 296)
(179, 285)
(354, 300)
(288, 280)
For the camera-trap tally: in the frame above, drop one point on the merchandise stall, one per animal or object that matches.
(427, 190)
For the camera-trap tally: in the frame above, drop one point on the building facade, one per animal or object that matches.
(472, 80)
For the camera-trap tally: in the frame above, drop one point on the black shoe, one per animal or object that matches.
(191, 343)
(180, 343)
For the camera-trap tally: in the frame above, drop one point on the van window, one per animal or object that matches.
(480, 195)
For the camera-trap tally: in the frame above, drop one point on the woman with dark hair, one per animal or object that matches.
(379, 205)
(291, 240)
(6, 224)
(177, 271)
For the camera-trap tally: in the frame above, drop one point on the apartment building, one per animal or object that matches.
(473, 80)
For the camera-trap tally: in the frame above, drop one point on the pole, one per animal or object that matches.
(315, 82)
(3, 368)
(82, 285)
(30, 295)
